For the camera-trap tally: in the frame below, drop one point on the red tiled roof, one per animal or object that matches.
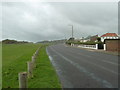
(110, 35)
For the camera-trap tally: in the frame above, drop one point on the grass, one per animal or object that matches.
(14, 61)
(44, 73)
(14, 58)
(0, 65)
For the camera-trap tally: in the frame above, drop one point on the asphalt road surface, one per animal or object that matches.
(81, 68)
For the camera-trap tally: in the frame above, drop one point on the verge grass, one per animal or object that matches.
(44, 75)
(15, 57)
(0, 65)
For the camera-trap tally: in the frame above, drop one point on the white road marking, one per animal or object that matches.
(98, 60)
(92, 75)
(66, 83)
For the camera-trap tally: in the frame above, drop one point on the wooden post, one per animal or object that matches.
(37, 52)
(30, 69)
(33, 59)
(22, 80)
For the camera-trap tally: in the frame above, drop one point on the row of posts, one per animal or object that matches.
(23, 76)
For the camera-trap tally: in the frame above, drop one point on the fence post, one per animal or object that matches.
(36, 53)
(96, 46)
(104, 46)
(33, 59)
(30, 69)
(22, 80)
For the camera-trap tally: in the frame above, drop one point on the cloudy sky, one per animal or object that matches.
(50, 20)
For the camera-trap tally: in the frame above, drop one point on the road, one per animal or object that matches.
(81, 68)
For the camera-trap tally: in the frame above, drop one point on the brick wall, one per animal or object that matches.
(112, 45)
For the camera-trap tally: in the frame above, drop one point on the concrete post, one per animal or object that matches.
(104, 46)
(22, 80)
(30, 68)
(96, 46)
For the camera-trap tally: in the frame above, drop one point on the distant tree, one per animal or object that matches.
(7, 41)
(71, 39)
(99, 39)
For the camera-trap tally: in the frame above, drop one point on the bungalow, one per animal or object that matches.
(109, 36)
(94, 38)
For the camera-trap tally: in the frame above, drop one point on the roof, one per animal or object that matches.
(110, 35)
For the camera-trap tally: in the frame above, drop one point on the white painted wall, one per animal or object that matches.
(104, 47)
(96, 46)
(88, 46)
(103, 38)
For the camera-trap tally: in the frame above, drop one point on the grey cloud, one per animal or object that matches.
(49, 21)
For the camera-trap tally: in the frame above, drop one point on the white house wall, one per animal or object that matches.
(103, 38)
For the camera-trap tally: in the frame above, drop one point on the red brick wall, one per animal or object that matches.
(112, 45)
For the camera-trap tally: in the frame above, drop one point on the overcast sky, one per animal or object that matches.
(50, 21)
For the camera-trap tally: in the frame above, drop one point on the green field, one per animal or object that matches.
(0, 65)
(14, 59)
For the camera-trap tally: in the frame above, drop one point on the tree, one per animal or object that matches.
(99, 39)
(71, 39)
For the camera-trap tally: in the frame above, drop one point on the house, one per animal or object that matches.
(85, 39)
(94, 38)
(109, 36)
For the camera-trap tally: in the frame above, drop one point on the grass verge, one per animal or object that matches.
(44, 75)
(0, 66)
(14, 59)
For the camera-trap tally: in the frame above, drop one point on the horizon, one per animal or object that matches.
(56, 39)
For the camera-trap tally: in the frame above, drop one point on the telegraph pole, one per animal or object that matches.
(72, 39)
(72, 30)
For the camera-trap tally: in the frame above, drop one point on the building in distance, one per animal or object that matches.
(109, 36)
